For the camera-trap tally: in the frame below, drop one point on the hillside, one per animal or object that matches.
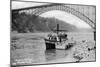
(24, 23)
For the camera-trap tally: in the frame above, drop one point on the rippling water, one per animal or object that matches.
(37, 54)
(32, 51)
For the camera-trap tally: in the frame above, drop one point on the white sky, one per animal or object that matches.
(67, 17)
(18, 4)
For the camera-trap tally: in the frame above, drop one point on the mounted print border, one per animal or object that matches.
(52, 33)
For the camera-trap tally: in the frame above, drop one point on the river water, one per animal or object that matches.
(33, 51)
(33, 54)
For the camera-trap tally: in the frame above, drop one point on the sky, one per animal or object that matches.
(18, 4)
(64, 16)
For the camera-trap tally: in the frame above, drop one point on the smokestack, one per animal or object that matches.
(95, 35)
(57, 28)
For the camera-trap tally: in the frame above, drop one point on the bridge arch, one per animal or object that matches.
(39, 11)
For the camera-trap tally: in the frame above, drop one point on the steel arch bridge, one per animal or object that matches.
(42, 9)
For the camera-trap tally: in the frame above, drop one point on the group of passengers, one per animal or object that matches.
(60, 37)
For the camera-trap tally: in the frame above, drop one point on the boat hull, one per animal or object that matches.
(50, 46)
(58, 45)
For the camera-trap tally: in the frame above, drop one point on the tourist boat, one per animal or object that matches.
(58, 40)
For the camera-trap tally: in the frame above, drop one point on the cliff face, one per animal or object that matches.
(24, 23)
